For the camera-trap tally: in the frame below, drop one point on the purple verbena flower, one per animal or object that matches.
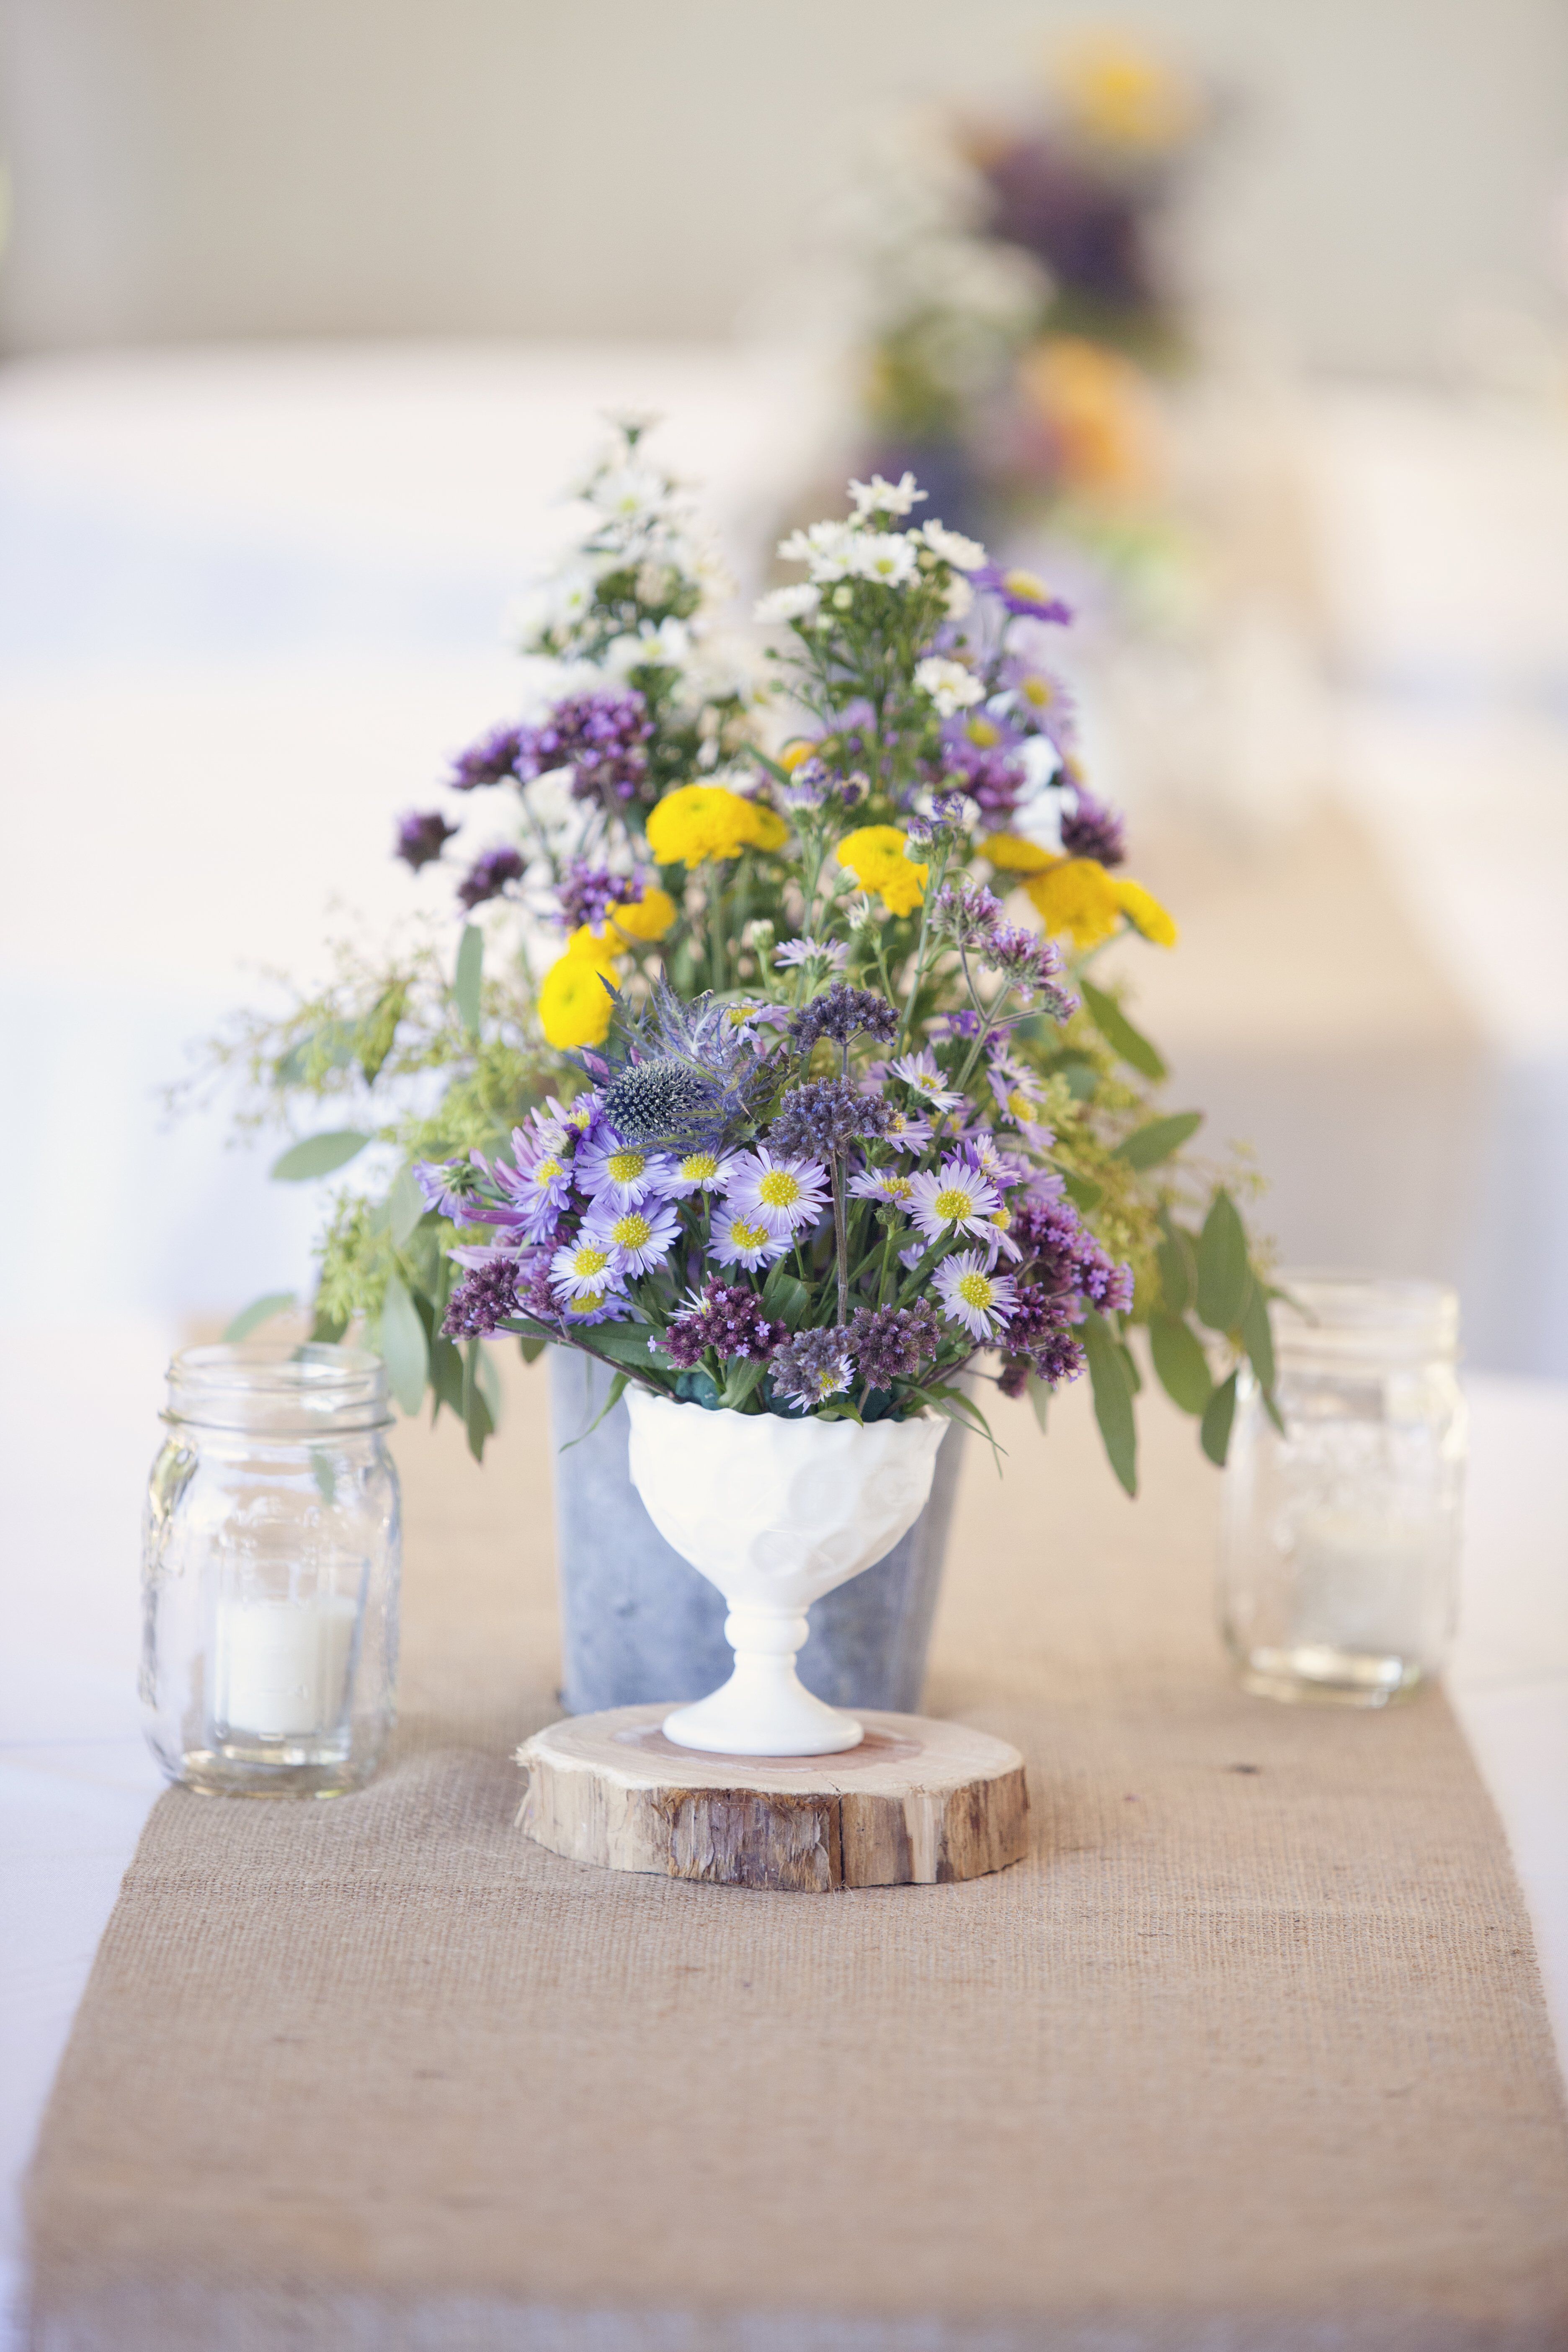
(481, 1300)
(491, 760)
(489, 876)
(965, 914)
(422, 835)
(1094, 831)
(1028, 964)
(588, 893)
(727, 1317)
(893, 1343)
(826, 1116)
(600, 736)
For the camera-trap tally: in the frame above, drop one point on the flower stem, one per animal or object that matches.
(840, 1241)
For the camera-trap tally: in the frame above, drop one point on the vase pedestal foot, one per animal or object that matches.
(764, 1709)
(915, 1802)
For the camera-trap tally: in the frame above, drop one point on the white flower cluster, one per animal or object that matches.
(836, 552)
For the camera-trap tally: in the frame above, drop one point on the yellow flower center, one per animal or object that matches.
(1026, 584)
(983, 731)
(779, 1189)
(631, 1232)
(1021, 1107)
(699, 1166)
(591, 1301)
(1040, 691)
(952, 1202)
(590, 1260)
(1001, 1219)
(976, 1290)
(625, 1167)
(749, 1237)
(547, 1169)
(897, 1187)
(579, 1115)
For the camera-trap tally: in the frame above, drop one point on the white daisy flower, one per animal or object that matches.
(950, 685)
(792, 604)
(779, 1190)
(878, 497)
(886, 557)
(963, 554)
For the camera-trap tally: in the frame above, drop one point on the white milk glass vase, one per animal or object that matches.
(271, 1564)
(775, 1513)
(1340, 1539)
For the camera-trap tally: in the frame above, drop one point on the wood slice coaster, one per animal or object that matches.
(918, 1802)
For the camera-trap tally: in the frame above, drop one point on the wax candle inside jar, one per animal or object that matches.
(1360, 1577)
(281, 1666)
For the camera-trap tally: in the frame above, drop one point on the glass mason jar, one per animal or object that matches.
(1339, 1540)
(271, 1548)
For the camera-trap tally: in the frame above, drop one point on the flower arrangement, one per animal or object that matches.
(1017, 314)
(745, 1078)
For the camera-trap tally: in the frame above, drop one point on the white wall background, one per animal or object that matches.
(193, 169)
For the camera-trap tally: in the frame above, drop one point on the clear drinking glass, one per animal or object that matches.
(1339, 1546)
(272, 1550)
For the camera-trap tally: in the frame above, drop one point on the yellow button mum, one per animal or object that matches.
(574, 1005)
(1013, 854)
(874, 853)
(1077, 897)
(703, 822)
(648, 918)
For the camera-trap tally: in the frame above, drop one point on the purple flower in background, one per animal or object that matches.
(491, 760)
(1040, 703)
(727, 1317)
(422, 835)
(812, 1367)
(599, 736)
(589, 892)
(979, 759)
(832, 953)
(943, 825)
(841, 1014)
(825, 1116)
(488, 877)
(966, 916)
(1024, 593)
(1093, 831)
(1029, 964)
(482, 1299)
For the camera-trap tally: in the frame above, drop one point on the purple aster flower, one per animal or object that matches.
(811, 1367)
(954, 1199)
(905, 1132)
(893, 1343)
(779, 1189)
(746, 1240)
(832, 953)
(452, 1187)
(991, 774)
(582, 1273)
(1093, 831)
(620, 1173)
(826, 1116)
(421, 837)
(841, 1014)
(482, 1299)
(889, 1186)
(1024, 593)
(1040, 703)
(727, 1317)
(489, 876)
(920, 1073)
(639, 1237)
(491, 760)
(944, 826)
(971, 1295)
(703, 1171)
(600, 736)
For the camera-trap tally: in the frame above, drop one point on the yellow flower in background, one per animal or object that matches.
(648, 918)
(593, 947)
(574, 1005)
(1123, 95)
(874, 853)
(702, 822)
(1099, 410)
(1144, 912)
(1013, 854)
(1077, 897)
(794, 754)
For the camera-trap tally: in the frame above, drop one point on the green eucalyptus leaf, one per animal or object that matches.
(467, 976)
(1178, 1263)
(402, 1346)
(1040, 1398)
(260, 1310)
(1082, 1191)
(477, 1417)
(1082, 1078)
(405, 1207)
(1118, 1033)
(1223, 1271)
(446, 1377)
(741, 1378)
(530, 1349)
(1148, 1145)
(1113, 1398)
(1180, 1363)
(1215, 1434)
(785, 1296)
(318, 1155)
(622, 1343)
(1257, 1336)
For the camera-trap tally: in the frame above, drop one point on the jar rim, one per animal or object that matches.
(278, 1387)
(1347, 1310)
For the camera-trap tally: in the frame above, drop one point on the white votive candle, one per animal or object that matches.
(1361, 1579)
(281, 1666)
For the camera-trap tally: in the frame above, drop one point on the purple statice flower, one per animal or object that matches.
(841, 1014)
(725, 1317)
(489, 876)
(1024, 593)
(826, 1116)
(482, 1299)
(812, 1367)
(971, 1295)
(600, 736)
(893, 1343)
(422, 835)
(1094, 831)
(491, 760)
(1029, 964)
(588, 893)
(965, 914)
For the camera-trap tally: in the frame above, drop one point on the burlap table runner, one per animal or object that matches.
(1248, 2055)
